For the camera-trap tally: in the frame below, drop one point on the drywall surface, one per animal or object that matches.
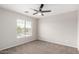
(8, 29)
(60, 29)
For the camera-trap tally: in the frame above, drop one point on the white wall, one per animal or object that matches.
(60, 29)
(8, 29)
(78, 29)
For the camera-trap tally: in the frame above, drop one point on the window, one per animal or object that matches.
(24, 28)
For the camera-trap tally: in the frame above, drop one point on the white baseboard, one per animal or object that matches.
(10, 46)
(55, 42)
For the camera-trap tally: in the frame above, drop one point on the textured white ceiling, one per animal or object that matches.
(56, 8)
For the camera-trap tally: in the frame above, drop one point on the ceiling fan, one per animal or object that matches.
(40, 11)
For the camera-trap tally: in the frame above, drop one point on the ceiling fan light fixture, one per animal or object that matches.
(39, 13)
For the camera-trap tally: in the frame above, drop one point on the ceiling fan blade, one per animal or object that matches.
(26, 11)
(34, 13)
(46, 11)
(42, 14)
(34, 9)
(41, 6)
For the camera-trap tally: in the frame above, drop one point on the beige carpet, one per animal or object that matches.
(40, 47)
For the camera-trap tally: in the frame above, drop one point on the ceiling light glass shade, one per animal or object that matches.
(39, 13)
